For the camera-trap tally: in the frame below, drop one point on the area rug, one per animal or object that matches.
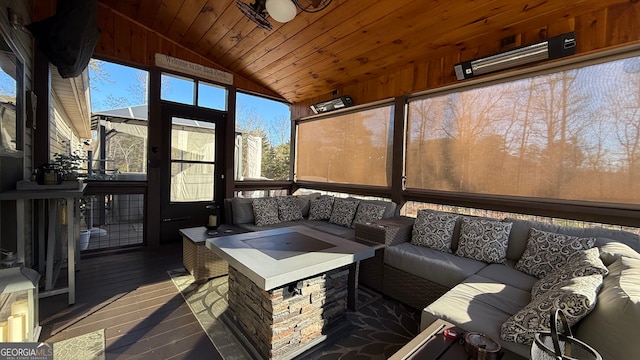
(89, 346)
(378, 328)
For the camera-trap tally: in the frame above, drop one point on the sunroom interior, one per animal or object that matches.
(552, 141)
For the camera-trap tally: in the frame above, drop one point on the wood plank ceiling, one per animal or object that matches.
(348, 42)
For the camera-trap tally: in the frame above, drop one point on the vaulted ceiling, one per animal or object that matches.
(350, 41)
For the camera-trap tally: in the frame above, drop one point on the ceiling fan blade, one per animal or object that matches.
(255, 13)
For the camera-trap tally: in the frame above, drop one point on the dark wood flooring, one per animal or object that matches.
(131, 296)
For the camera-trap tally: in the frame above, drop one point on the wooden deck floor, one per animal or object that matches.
(131, 296)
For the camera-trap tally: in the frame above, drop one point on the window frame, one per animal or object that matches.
(603, 212)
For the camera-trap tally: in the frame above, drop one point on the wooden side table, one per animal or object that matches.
(201, 262)
(431, 344)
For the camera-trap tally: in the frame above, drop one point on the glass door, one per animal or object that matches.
(192, 172)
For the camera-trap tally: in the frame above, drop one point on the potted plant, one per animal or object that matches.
(69, 165)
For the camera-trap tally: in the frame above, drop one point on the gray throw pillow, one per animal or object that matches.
(575, 297)
(320, 209)
(343, 211)
(289, 208)
(265, 211)
(484, 240)
(434, 229)
(582, 263)
(547, 251)
(368, 212)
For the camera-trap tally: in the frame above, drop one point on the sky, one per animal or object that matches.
(119, 80)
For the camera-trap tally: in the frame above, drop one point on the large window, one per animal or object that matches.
(263, 138)
(119, 105)
(353, 148)
(572, 134)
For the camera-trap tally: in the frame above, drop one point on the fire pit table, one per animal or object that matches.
(288, 287)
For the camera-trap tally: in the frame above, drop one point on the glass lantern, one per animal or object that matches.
(19, 305)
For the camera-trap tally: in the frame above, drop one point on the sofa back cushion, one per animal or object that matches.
(612, 327)
(242, 211)
(520, 233)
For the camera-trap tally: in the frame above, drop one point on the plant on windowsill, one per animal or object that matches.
(69, 165)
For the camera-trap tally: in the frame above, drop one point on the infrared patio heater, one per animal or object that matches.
(552, 48)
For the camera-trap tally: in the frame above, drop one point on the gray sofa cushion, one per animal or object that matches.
(612, 327)
(520, 233)
(442, 268)
(242, 211)
(507, 274)
(480, 304)
(612, 251)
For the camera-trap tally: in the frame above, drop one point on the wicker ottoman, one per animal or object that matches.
(201, 262)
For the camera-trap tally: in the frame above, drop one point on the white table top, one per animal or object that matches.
(269, 272)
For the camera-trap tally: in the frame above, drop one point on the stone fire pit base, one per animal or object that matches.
(285, 322)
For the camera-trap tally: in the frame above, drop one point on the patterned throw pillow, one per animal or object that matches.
(265, 211)
(289, 208)
(434, 230)
(547, 251)
(320, 209)
(343, 211)
(582, 263)
(484, 240)
(575, 297)
(368, 212)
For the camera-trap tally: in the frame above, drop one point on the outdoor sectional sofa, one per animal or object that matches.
(316, 211)
(508, 291)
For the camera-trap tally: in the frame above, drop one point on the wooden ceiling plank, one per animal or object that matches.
(185, 17)
(166, 16)
(307, 28)
(204, 21)
(336, 23)
(377, 37)
(410, 51)
(147, 12)
(229, 18)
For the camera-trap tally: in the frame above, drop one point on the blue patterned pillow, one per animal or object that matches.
(434, 229)
(484, 240)
(265, 211)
